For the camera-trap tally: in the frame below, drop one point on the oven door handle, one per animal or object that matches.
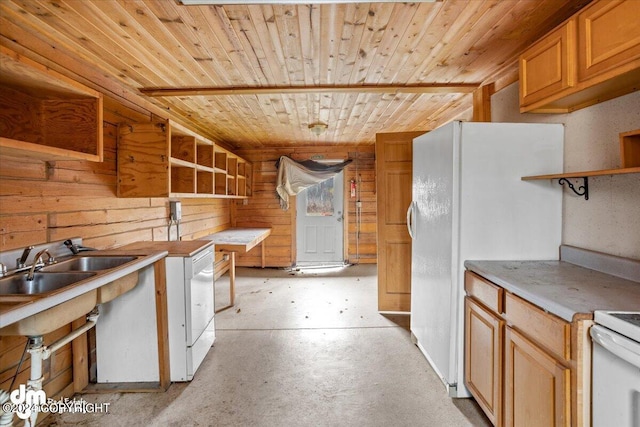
(618, 345)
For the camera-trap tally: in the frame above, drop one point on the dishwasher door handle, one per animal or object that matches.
(622, 347)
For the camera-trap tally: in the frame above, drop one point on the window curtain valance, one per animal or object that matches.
(294, 176)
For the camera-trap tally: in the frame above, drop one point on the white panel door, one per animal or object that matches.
(319, 219)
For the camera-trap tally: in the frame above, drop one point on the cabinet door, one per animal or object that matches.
(143, 160)
(608, 39)
(483, 337)
(537, 386)
(548, 67)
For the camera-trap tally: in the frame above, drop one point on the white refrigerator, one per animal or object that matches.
(469, 202)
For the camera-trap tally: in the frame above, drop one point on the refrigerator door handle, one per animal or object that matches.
(410, 220)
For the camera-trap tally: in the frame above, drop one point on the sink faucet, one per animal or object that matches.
(20, 262)
(76, 249)
(37, 258)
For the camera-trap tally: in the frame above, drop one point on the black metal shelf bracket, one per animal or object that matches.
(583, 190)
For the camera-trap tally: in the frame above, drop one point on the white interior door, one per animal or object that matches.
(319, 219)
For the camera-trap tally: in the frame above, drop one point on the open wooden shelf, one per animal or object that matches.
(630, 149)
(583, 174)
(45, 115)
(168, 160)
(582, 190)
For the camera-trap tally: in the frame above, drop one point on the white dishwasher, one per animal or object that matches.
(126, 334)
(616, 369)
(191, 311)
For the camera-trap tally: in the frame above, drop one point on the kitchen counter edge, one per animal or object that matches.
(11, 313)
(568, 291)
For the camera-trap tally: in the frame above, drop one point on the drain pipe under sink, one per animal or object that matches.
(41, 352)
(6, 418)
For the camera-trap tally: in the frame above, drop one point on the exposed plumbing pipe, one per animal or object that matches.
(92, 319)
(41, 352)
(6, 418)
(35, 380)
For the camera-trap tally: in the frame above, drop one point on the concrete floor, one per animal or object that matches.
(304, 348)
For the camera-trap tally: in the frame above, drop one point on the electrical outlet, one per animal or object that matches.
(175, 210)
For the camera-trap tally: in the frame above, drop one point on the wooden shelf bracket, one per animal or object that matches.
(583, 190)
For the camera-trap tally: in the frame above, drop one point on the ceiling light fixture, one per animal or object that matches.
(225, 2)
(318, 128)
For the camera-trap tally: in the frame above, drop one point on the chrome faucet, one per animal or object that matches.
(76, 249)
(20, 262)
(37, 258)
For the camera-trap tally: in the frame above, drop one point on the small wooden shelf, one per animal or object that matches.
(205, 155)
(183, 180)
(204, 168)
(584, 174)
(630, 149)
(179, 162)
(46, 115)
(221, 161)
(582, 190)
(204, 182)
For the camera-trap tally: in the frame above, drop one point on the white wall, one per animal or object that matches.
(610, 220)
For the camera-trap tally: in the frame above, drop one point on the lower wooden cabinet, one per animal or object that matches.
(523, 365)
(484, 337)
(537, 386)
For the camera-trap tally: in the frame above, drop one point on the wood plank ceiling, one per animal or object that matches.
(368, 50)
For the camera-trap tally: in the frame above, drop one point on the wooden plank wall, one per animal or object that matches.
(263, 208)
(48, 201)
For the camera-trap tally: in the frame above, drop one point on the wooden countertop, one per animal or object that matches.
(567, 290)
(185, 248)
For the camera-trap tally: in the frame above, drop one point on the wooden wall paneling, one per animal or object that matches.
(482, 103)
(45, 201)
(264, 207)
(21, 168)
(361, 238)
(22, 230)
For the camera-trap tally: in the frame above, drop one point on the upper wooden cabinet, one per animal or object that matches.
(608, 39)
(45, 115)
(592, 57)
(548, 67)
(168, 160)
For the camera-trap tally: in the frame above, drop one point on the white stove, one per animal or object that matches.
(626, 323)
(616, 369)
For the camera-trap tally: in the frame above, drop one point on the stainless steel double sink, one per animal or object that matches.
(55, 278)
